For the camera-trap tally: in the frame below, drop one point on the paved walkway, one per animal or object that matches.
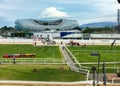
(67, 57)
(72, 64)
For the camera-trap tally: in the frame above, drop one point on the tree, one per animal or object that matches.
(98, 30)
(58, 29)
(47, 29)
(88, 30)
(5, 30)
(77, 28)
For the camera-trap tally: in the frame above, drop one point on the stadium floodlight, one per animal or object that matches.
(97, 54)
(118, 1)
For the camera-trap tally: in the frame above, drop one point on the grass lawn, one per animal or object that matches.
(40, 51)
(106, 54)
(43, 73)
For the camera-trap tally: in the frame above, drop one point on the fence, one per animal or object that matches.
(110, 57)
(32, 61)
(79, 67)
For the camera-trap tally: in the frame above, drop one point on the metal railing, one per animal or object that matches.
(32, 61)
(78, 67)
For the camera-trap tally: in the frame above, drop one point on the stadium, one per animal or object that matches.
(59, 28)
(40, 25)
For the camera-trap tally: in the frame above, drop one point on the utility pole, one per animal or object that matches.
(104, 75)
(94, 69)
(118, 18)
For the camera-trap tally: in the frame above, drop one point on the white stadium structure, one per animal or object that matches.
(65, 33)
(34, 24)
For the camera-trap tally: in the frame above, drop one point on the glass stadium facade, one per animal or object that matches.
(34, 24)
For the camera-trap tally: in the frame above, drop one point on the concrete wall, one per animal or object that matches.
(58, 41)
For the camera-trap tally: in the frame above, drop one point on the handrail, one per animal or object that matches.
(79, 69)
(73, 57)
(35, 61)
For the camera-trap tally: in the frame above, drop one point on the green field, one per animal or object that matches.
(42, 73)
(106, 54)
(40, 51)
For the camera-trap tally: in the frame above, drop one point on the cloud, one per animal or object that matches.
(69, 1)
(52, 12)
(4, 5)
(84, 11)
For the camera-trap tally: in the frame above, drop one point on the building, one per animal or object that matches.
(42, 25)
(58, 29)
(57, 34)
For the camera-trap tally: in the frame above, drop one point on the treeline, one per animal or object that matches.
(12, 32)
(98, 30)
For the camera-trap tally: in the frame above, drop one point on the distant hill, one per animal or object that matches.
(98, 24)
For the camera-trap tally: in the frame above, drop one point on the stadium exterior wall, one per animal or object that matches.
(40, 25)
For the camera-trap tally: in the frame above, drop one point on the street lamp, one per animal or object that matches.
(93, 69)
(97, 54)
(104, 74)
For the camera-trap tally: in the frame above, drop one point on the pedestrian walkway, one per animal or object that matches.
(72, 63)
(67, 57)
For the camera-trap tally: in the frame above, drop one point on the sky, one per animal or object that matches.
(84, 11)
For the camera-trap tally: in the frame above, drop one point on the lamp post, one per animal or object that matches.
(93, 69)
(97, 54)
(104, 74)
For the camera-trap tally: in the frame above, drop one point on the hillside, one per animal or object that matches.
(98, 24)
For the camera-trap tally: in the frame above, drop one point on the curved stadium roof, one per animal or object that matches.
(34, 24)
